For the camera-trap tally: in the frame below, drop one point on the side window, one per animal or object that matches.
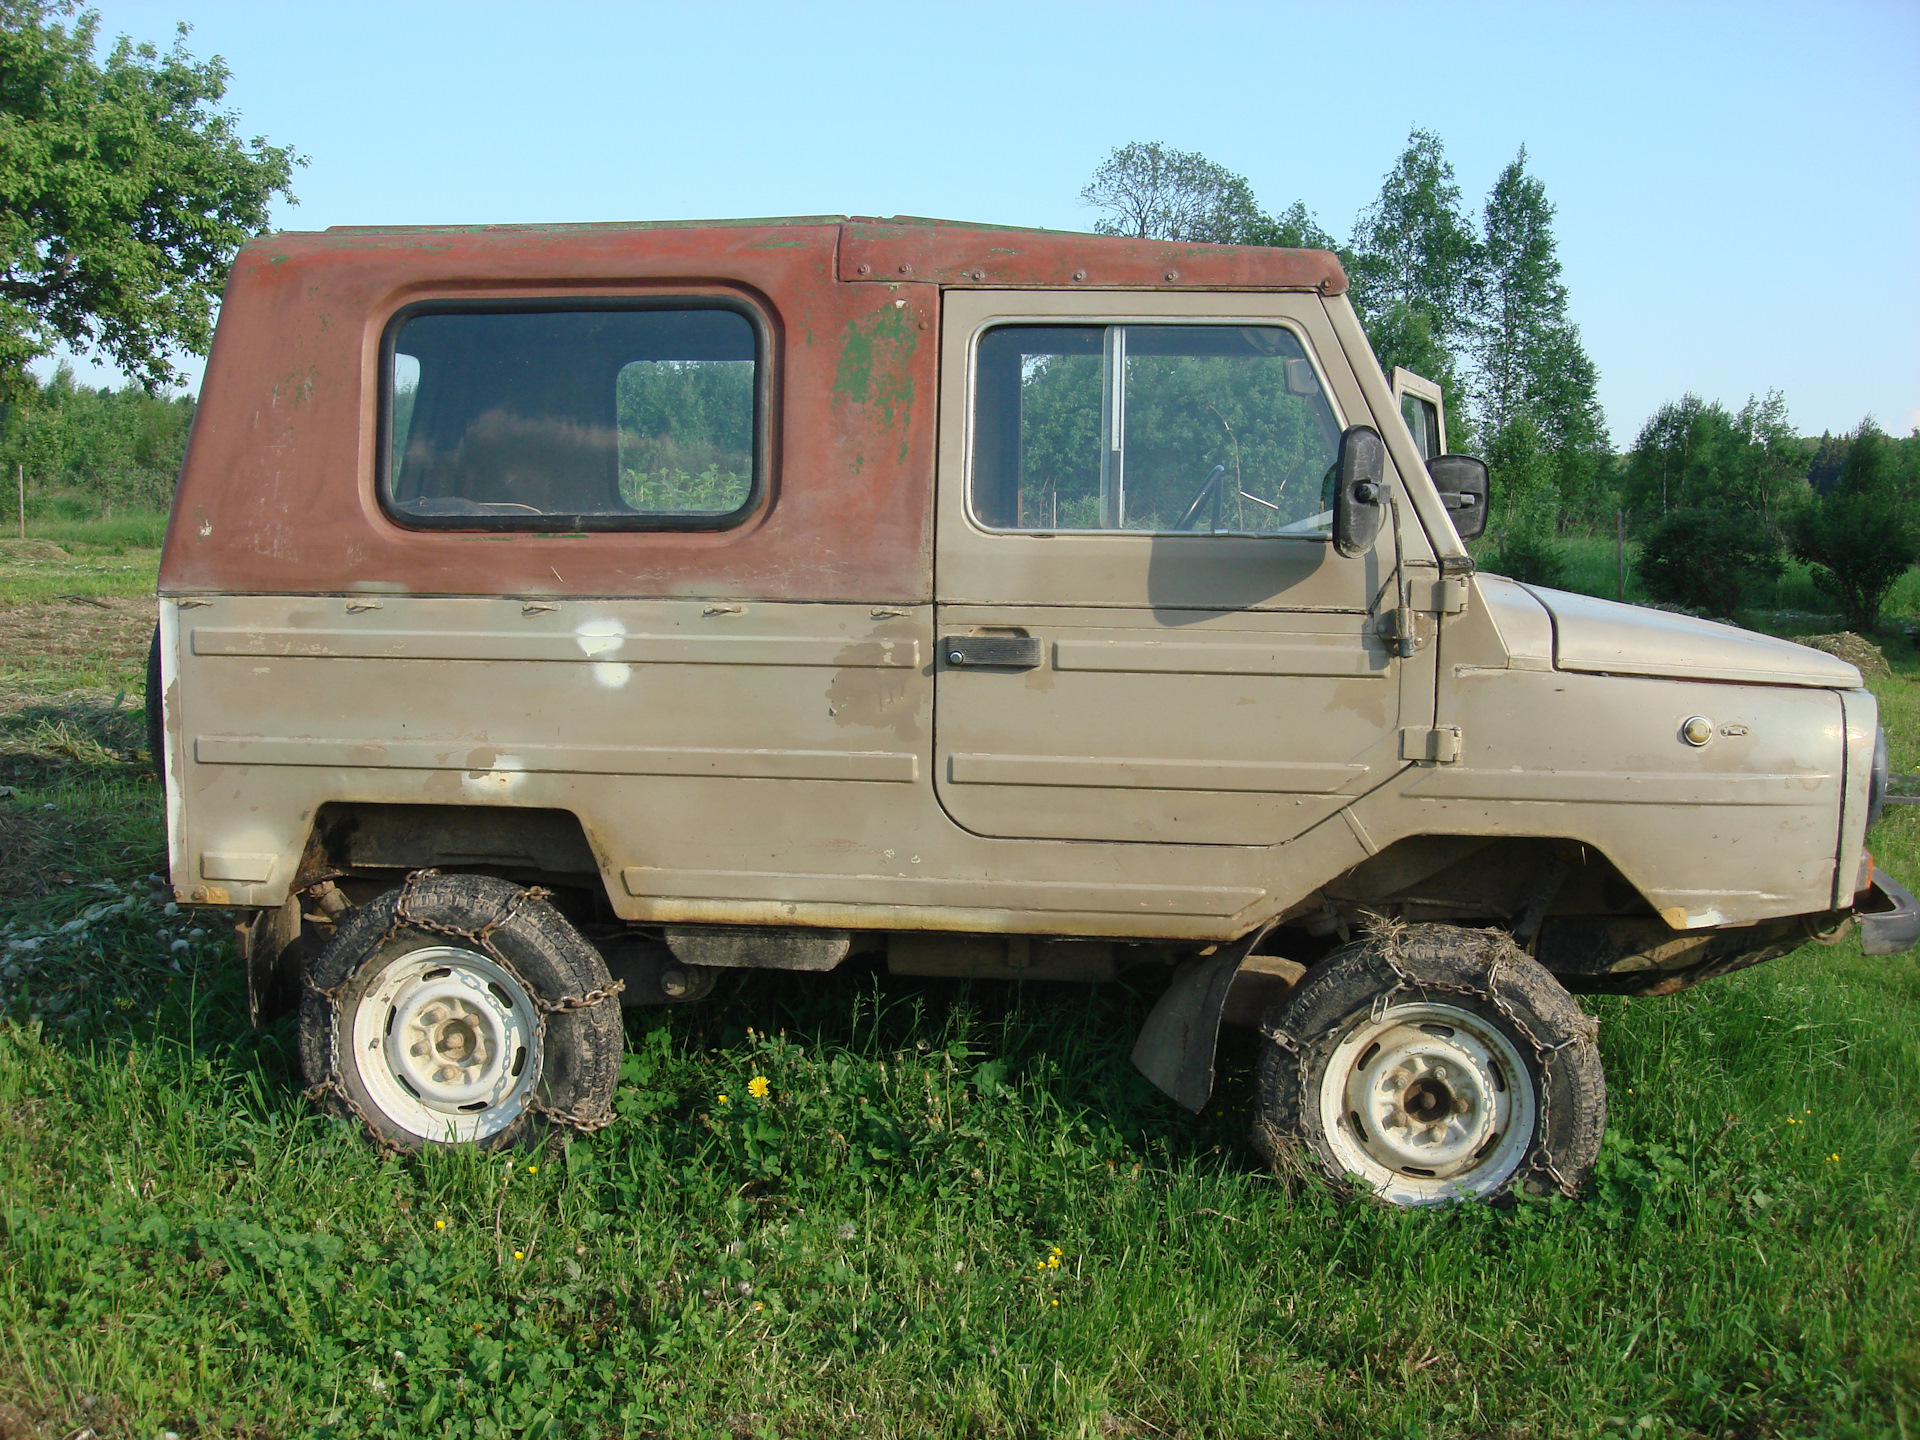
(1220, 429)
(1423, 419)
(572, 419)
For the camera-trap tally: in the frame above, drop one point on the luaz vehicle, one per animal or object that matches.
(548, 611)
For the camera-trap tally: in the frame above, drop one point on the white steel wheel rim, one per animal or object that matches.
(1428, 1103)
(447, 1044)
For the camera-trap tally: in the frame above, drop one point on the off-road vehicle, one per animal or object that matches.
(552, 617)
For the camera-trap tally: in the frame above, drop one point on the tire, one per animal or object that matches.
(1428, 1064)
(156, 724)
(442, 1028)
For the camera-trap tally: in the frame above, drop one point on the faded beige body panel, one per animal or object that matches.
(764, 792)
(1604, 637)
(1201, 727)
(1741, 829)
(722, 764)
(1200, 689)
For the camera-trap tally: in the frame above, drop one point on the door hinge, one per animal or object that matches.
(1445, 596)
(1401, 631)
(1439, 745)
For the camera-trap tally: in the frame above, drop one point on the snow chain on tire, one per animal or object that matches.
(482, 939)
(1384, 942)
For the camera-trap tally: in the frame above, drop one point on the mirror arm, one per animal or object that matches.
(1405, 641)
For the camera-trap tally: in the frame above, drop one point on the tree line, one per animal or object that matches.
(86, 452)
(1475, 300)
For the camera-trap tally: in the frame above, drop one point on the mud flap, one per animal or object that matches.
(1177, 1044)
(1892, 925)
(263, 939)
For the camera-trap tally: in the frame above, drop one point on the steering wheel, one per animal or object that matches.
(1200, 497)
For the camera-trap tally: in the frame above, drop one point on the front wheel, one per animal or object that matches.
(460, 1009)
(1428, 1064)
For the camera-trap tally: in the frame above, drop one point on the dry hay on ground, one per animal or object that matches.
(105, 627)
(1856, 650)
(28, 552)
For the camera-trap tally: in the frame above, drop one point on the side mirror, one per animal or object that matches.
(1462, 482)
(1359, 490)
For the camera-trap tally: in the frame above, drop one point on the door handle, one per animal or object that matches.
(991, 652)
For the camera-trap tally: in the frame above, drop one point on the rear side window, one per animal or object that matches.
(606, 418)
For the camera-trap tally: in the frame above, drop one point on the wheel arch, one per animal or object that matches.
(355, 850)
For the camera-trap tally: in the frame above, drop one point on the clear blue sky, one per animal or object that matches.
(1736, 184)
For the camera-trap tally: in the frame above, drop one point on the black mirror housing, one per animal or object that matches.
(1359, 490)
(1462, 482)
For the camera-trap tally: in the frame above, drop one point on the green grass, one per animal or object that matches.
(185, 1245)
(138, 530)
(128, 573)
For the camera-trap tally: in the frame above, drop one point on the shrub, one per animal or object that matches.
(1862, 537)
(1528, 554)
(1708, 560)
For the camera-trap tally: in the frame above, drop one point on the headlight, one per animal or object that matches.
(1877, 787)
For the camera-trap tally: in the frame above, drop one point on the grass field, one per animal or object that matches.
(130, 530)
(184, 1246)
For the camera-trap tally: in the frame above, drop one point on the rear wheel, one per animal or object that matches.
(1428, 1064)
(460, 1009)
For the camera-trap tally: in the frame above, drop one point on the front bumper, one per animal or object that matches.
(1889, 916)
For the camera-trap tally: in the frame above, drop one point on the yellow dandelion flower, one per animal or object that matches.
(439, 1224)
(1056, 1302)
(1053, 1262)
(1039, 1264)
(533, 1169)
(758, 1087)
(1055, 1250)
(519, 1254)
(723, 1100)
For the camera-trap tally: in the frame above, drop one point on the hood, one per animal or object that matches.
(1602, 637)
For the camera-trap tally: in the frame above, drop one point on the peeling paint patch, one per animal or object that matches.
(507, 774)
(599, 637)
(875, 363)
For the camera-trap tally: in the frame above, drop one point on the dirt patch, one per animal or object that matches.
(1856, 650)
(24, 552)
(102, 627)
